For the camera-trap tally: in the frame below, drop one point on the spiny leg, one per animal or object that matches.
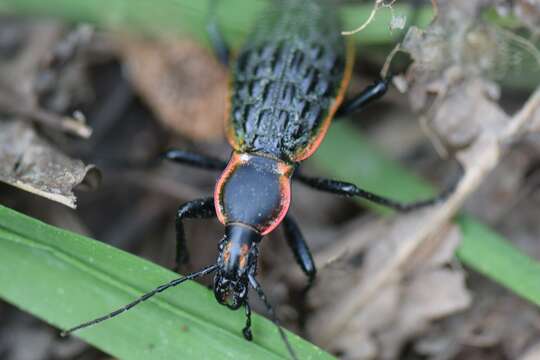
(348, 189)
(371, 93)
(194, 159)
(300, 249)
(217, 41)
(195, 209)
(248, 335)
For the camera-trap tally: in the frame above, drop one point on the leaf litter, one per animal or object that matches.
(34, 165)
(408, 278)
(38, 82)
(181, 81)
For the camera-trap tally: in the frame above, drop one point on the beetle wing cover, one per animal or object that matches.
(286, 79)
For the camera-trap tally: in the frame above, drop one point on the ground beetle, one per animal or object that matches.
(287, 84)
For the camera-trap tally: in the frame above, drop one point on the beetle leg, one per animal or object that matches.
(300, 249)
(371, 93)
(195, 209)
(217, 41)
(194, 159)
(248, 335)
(348, 189)
(270, 310)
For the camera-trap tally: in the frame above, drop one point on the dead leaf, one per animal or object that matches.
(182, 83)
(402, 306)
(26, 80)
(31, 164)
(40, 81)
(533, 353)
(430, 296)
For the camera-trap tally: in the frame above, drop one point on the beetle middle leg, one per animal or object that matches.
(300, 249)
(195, 209)
(371, 93)
(348, 189)
(194, 159)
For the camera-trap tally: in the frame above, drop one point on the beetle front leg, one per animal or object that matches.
(194, 159)
(195, 209)
(300, 250)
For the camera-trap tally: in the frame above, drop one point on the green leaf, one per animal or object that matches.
(492, 255)
(345, 154)
(65, 279)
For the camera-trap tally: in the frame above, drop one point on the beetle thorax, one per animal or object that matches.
(254, 191)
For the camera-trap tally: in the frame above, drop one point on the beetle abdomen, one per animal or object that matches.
(286, 80)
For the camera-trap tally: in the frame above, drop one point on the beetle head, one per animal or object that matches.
(237, 258)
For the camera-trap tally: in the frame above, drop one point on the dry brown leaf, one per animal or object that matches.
(362, 340)
(182, 82)
(533, 353)
(38, 70)
(406, 297)
(25, 79)
(497, 321)
(30, 163)
(429, 296)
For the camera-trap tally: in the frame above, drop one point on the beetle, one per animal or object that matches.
(286, 85)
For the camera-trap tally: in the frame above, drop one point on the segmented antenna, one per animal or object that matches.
(257, 287)
(146, 296)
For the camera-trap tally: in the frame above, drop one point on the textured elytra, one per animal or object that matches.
(286, 78)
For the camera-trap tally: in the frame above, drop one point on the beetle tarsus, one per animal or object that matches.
(246, 331)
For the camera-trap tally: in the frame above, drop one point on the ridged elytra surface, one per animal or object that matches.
(286, 78)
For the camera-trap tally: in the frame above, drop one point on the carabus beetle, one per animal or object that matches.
(287, 84)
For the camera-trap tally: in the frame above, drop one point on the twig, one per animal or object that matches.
(74, 125)
(378, 4)
(524, 121)
(388, 61)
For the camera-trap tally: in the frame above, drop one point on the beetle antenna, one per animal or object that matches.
(257, 287)
(146, 296)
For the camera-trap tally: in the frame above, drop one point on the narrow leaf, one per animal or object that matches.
(65, 279)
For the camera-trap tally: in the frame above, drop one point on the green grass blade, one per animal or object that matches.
(492, 255)
(347, 155)
(65, 278)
